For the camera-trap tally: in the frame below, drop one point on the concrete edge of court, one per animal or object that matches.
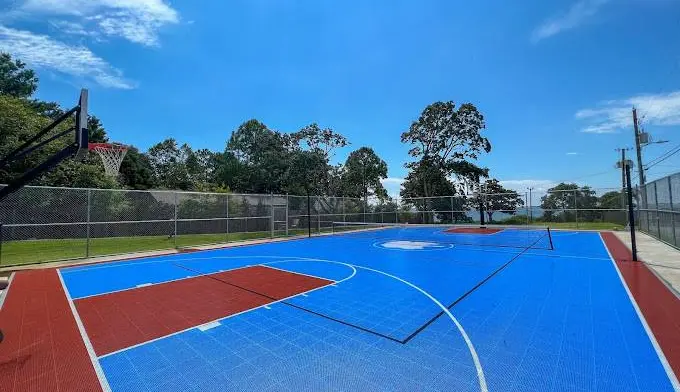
(662, 259)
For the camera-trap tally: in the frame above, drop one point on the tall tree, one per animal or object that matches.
(262, 152)
(497, 198)
(306, 172)
(426, 174)
(613, 200)
(136, 171)
(363, 171)
(15, 79)
(324, 140)
(169, 165)
(563, 200)
(446, 139)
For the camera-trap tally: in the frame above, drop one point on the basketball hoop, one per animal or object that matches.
(112, 156)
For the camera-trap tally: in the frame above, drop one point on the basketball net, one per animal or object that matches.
(112, 156)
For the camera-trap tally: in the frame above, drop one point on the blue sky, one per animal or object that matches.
(555, 79)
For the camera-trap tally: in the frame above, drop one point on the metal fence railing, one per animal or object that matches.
(42, 224)
(659, 209)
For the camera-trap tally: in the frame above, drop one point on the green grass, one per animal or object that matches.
(581, 225)
(37, 251)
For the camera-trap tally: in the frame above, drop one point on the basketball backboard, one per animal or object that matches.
(82, 133)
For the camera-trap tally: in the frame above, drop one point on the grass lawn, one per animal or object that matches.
(582, 225)
(37, 251)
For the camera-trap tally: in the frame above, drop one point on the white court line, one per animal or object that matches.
(475, 358)
(662, 357)
(354, 271)
(194, 276)
(5, 292)
(295, 272)
(128, 263)
(86, 340)
(157, 283)
(528, 253)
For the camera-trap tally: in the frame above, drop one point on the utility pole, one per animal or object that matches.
(638, 148)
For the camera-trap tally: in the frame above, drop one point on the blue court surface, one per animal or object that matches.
(410, 309)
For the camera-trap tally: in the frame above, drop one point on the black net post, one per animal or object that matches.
(1, 239)
(481, 209)
(631, 214)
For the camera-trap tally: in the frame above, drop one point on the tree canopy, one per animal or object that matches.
(15, 79)
(363, 171)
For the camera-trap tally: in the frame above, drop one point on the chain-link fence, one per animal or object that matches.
(582, 208)
(47, 224)
(659, 209)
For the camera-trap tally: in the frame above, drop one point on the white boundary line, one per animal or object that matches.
(662, 357)
(186, 277)
(86, 340)
(5, 292)
(475, 358)
(354, 271)
(295, 272)
(142, 285)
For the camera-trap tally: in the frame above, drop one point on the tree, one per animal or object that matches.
(499, 199)
(324, 140)
(447, 138)
(564, 199)
(428, 172)
(201, 165)
(15, 79)
(169, 165)
(363, 171)
(18, 122)
(264, 153)
(306, 172)
(136, 171)
(613, 200)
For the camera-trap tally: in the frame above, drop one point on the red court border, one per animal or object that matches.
(40, 333)
(659, 306)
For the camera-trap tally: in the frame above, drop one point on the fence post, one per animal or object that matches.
(318, 214)
(670, 200)
(226, 214)
(344, 217)
(1, 239)
(87, 229)
(576, 207)
(287, 207)
(396, 211)
(174, 236)
(452, 213)
(271, 220)
(656, 203)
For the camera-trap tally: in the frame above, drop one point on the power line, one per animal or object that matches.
(663, 157)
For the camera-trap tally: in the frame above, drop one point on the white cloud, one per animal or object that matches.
(612, 116)
(393, 185)
(72, 28)
(135, 20)
(573, 153)
(41, 51)
(578, 14)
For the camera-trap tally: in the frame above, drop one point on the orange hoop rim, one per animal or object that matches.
(106, 146)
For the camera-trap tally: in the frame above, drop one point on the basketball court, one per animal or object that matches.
(368, 308)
